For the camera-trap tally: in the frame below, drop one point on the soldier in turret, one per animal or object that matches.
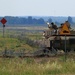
(54, 27)
(68, 24)
(49, 25)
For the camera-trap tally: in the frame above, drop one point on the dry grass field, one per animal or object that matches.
(16, 39)
(37, 66)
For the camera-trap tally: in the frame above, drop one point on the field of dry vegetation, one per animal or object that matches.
(37, 66)
(17, 39)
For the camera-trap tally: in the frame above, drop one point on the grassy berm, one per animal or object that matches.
(14, 44)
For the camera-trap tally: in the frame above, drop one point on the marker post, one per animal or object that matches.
(65, 49)
(3, 31)
(3, 21)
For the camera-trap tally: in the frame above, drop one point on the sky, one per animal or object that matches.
(37, 7)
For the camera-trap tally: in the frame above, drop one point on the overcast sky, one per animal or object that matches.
(37, 7)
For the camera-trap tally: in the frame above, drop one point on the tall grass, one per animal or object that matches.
(29, 66)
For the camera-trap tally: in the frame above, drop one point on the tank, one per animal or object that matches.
(55, 37)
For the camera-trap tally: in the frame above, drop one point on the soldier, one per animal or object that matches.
(60, 28)
(54, 27)
(68, 24)
(61, 25)
(49, 25)
(44, 33)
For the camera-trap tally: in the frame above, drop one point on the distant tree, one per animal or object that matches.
(57, 23)
(35, 21)
(41, 21)
(70, 20)
(30, 20)
(23, 20)
(49, 20)
(10, 20)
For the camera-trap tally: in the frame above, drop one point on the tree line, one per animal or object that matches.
(29, 20)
